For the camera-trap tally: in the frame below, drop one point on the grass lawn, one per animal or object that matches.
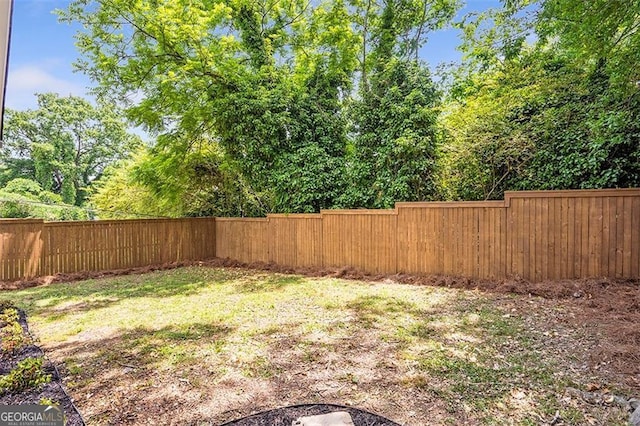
(203, 345)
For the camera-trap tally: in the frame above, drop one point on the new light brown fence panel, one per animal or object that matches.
(88, 246)
(20, 248)
(203, 238)
(461, 238)
(119, 244)
(573, 234)
(245, 240)
(363, 239)
(295, 240)
(175, 240)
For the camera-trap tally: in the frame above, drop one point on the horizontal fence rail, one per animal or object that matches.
(536, 235)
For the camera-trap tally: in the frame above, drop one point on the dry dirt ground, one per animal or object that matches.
(438, 351)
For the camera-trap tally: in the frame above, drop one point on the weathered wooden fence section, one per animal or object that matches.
(536, 235)
(31, 248)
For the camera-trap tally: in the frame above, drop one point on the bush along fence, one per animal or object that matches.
(535, 235)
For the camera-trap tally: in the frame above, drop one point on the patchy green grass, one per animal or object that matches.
(206, 345)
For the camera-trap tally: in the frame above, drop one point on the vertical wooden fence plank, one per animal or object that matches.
(628, 233)
(619, 236)
(595, 236)
(635, 237)
(537, 235)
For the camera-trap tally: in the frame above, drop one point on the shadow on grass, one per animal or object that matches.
(58, 300)
(368, 309)
(141, 341)
(452, 348)
(125, 367)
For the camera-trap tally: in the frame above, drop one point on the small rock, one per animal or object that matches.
(577, 294)
(338, 418)
(622, 402)
(634, 420)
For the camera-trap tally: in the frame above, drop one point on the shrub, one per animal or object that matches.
(12, 337)
(6, 304)
(8, 316)
(28, 374)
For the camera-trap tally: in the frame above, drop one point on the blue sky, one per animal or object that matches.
(42, 51)
(41, 54)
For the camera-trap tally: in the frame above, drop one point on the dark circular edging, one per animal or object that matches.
(284, 416)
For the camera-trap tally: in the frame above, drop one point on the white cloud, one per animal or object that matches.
(25, 81)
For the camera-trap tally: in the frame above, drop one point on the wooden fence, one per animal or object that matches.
(31, 248)
(536, 235)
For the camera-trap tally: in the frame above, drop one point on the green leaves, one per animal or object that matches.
(65, 144)
(392, 156)
(606, 30)
(541, 122)
(255, 92)
(289, 106)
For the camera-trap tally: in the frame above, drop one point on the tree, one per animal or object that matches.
(598, 33)
(392, 155)
(393, 152)
(552, 115)
(24, 198)
(264, 81)
(65, 144)
(232, 73)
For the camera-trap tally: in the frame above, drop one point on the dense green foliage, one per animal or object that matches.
(392, 156)
(280, 105)
(61, 147)
(560, 114)
(260, 106)
(25, 198)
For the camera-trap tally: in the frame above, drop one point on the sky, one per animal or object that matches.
(42, 52)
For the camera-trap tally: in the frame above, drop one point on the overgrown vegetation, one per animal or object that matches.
(28, 373)
(561, 113)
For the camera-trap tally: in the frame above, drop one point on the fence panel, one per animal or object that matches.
(536, 235)
(20, 248)
(295, 240)
(363, 239)
(245, 240)
(120, 244)
(460, 238)
(573, 234)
